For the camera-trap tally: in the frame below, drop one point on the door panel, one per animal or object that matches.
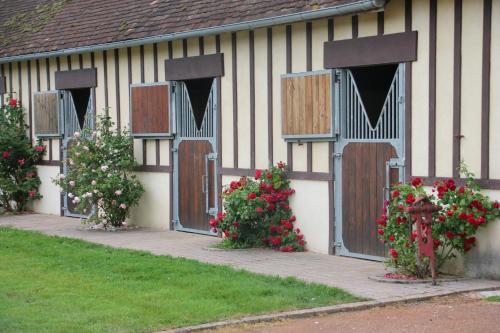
(194, 183)
(363, 183)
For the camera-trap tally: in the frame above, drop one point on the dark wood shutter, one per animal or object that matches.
(46, 107)
(150, 110)
(306, 106)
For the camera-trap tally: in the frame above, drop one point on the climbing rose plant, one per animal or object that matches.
(464, 210)
(19, 181)
(98, 174)
(257, 212)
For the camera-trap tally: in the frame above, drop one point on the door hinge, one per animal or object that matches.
(401, 100)
(337, 155)
(337, 244)
(174, 150)
(336, 76)
(212, 156)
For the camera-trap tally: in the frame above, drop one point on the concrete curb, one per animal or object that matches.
(383, 279)
(318, 311)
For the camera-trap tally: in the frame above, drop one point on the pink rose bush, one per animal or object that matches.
(99, 174)
(19, 181)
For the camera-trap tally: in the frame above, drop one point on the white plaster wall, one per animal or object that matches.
(394, 16)
(472, 32)
(51, 202)
(367, 24)
(279, 68)
(494, 95)
(261, 109)
(312, 212)
(153, 210)
(444, 88)
(227, 103)
(420, 91)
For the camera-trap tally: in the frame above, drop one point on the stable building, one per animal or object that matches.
(352, 94)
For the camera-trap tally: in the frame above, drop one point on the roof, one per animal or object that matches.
(34, 26)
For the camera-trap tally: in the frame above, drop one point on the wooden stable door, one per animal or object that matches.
(364, 189)
(196, 184)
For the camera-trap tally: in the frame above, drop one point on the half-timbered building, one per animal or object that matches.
(351, 94)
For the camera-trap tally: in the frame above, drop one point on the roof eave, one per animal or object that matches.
(358, 6)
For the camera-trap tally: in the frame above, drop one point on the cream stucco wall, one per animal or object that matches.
(154, 209)
(494, 95)
(51, 202)
(312, 213)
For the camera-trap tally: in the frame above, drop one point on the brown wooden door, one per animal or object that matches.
(196, 176)
(363, 183)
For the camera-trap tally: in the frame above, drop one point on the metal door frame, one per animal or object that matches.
(175, 106)
(398, 144)
(65, 140)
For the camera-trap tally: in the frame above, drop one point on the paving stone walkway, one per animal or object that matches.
(346, 273)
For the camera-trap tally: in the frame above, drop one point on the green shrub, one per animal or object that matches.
(99, 166)
(19, 181)
(257, 212)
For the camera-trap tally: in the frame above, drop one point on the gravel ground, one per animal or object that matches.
(464, 313)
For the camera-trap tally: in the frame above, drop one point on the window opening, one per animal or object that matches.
(81, 99)
(373, 85)
(199, 92)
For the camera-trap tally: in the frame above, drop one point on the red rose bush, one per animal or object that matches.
(19, 181)
(257, 213)
(465, 210)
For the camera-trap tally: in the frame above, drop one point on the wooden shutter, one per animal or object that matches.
(306, 106)
(46, 107)
(150, 110)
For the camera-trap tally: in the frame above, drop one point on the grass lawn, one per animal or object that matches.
(493, 298)
(54, 284)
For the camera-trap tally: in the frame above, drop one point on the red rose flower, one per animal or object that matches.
(20, 162)
(258, 173)
(416, 182)
(251, 196)
(410, 198)
(462, 215)
(461, 190)
(39, 148)
(292, 218)
(450, 213)
(380, 232)
(392, 238)
(6, 154)
(287, 248)
(236, 224)
(259, 210)
(281, 165)
(213, 222)
(31, 194)
(496, 205)
(393, 253)
(450, 235)
(441, 218)
(395, 194)
(271, 207)
(13, 102)
(269, 175)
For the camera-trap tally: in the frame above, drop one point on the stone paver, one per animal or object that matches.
(346, 273)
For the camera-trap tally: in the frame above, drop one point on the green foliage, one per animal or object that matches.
(493, 298)
(18, 178)
(257, 213)
(54, 284)
(464, 210)
(99, 166)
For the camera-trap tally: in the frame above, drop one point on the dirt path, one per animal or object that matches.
(464, 313)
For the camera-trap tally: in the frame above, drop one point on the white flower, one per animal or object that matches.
(62, 176)
(109, 175)
(118, 192)
(71, 162)
(94, 133)
(124, 224)
(70, 195)
(104, 168)
(76, 134)
(95, 191)
(72, 183)
(94, 182)
(77, 154)
(89, 194)
(76, 200)
(123, 206)
(86, 148)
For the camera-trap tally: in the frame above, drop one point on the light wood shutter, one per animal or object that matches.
(46, 107)
(306, 106)
(150, 110)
